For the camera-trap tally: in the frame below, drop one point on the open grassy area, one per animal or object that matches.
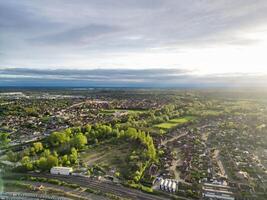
(109, 156)
(112, 111)
(212, 113)
(175, 122)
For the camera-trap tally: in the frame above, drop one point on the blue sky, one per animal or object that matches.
(133, 43)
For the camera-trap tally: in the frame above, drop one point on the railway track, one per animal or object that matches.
(105, 187)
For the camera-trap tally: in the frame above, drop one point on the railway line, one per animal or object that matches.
(105, 187)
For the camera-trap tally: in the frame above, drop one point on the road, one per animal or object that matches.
(173, 138)
(106, 187)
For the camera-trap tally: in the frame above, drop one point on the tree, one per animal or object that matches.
(46, 163)
(46, 153)
(32, 151)
(42, 164)
(4, 139)
(58, 138)
(26, 163)
(55, 153)
(26, 152)
(88, 128)
(161, 132)
(73, 156)
(96, 141)
(32, 111)
(79, 141)
(65, 161)
(52, 161)
(38, 146)
(68, 132)
(12, 156)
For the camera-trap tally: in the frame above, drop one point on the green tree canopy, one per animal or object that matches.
(79, 141)
(4, 139)
(38, 147)
(58, 138)
(26, 163)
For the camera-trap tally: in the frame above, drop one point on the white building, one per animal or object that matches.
(168, 185)
(174, 186)
(161, 184)
(61, 170)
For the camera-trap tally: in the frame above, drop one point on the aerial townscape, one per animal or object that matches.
(107, 143)
(133, 100)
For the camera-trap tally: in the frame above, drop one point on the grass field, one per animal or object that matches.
(109, 156)
(112, 111)
(175, 122)
(214, 113)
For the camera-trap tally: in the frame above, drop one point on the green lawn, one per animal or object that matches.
(111, 111)
(109, 156)
(175, 122)
(214, 113)
(107, 112)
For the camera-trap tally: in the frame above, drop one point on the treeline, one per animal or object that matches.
(38, 157)
(61, 148)
(4, 139)
(144, 139)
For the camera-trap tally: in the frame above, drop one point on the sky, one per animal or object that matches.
(158, 43)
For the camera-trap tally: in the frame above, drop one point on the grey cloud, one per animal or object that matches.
(81, 35)
(96, 74)
(125, 78)
(38, 29)
(180, 22)
(15, 16)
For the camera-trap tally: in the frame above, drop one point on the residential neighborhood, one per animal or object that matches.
(198, 148)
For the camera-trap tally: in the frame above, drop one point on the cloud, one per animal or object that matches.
(18, 18)
(96, 74)
(47, 33)
(125, 78)
(82, 36)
